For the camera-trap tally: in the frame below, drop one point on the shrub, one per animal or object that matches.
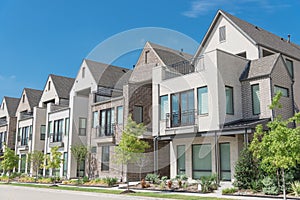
(4, 178)
(164, 179)
(229, 190)
(44, 180)
(180, 178)
(153, 178)
(170, 184)
(162, 185)
(110, 181)
(246, 170)
(205, 182)
(296, 188)
(85, 179)
(269, 186)
(26, 179)
(256, 186)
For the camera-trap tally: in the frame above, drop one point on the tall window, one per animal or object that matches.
(95, 120)
(107, 122)
(1, 141)
(82, 126)
(201, 160)
(42, 132)
(222, 33)
(83, 72)
(23, 98)
(182, 109)
(50, 129)
(229, 100)
(58, 130)
(65, 164)
(284, 91)
(81, 170)
(225, 161)
(105, 158)
(49, 85)
(290, 67)
(25, 135)
(138, 114)
(255, 99)
(120, 114)
(67, 126)
(202, 100)
(23, 163)
(181, 159)
(164, 106)
(146, 56)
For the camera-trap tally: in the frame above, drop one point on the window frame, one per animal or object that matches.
(42, 132)
(198, 100)
(80, 128)
(105, 163)
(201, 170)
(232, 101)
(178, 157)
(140, 112)
(280, 88)
(163, 114)
(222, 29)
(119, 108)
(292, 65)
(252, 99)
(107, 129)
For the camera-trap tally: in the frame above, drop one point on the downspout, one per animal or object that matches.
(272, 95)
(293, 100)
(68, 141)
(155, 141)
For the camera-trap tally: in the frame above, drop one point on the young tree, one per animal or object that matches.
(54, 160)
(130, 145)
(141, 161)
(277, 148)
(37, 160)
(79, 152)
(9, 160)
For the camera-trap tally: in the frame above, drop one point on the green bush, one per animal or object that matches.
(269, 186)
(205, 182)
(110, 181)
(246, 170)
(229, 190)
(164, 179)
(153, 178)
(256, 186)
(85, 179)
(296, 188)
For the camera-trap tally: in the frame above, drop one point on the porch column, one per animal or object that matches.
(217, 160)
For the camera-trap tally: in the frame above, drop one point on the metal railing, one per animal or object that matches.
(24, 141)
(183, 118)
(56, 137)
(106, 130)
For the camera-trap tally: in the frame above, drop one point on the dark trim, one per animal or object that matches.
(179, 156)
(199, 170)
(230, 87)
(257, 84)
(288, 91)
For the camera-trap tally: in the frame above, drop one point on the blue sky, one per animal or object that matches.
(53, 36)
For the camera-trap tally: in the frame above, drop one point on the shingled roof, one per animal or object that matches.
(265, 38)
(33, 96)
(12, 105)
(107, 75)
(63, 85)
(260, 67)
(170, 56)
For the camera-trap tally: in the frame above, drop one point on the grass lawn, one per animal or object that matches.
(108, 191)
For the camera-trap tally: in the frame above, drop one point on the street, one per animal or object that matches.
(26, 193)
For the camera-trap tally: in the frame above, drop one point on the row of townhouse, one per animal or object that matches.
(200, 110)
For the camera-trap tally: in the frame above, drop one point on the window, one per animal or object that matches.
(65, 164)
(222, 33)
(1, 141)
(202, 100)
(82, 126)
(95, 120)
(225, 166)
(23, 98)
(229, 100)
(107, 122)
(182, 107)
(58, 130)
(50, 129)
(201, 160)
(94, 149)
(67, 125)
(284, 91)
(3, 104)
(49, 85)
(23, 163)
(266, 53)
(164, 107)
(120, 114)
(146, 56)
(255, 99)
(181, 159)
(83, 72)
(290, 67)
(105, 158)
(25, 136)
(81, 170)
(30, 133)
(42, 132)
(138, 114)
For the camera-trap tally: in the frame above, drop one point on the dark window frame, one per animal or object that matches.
(107, 129)
(252, 99)
(105, 163)
(161, 117)
(284, 88)
(82, 130)
(232, 96)
(222, 33)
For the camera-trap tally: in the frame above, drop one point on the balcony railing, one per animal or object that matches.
(56, 137)
(183, 118)
(24, 141)
(3, 122)
(26, 115)
(106, 130)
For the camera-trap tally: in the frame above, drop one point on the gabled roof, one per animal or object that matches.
(260, 67)
(170, 56)
(256, 35)
(106, 75)
(33, 96)
(12, 105)
(63, 85)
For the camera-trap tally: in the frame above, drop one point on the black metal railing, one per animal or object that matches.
(24, 141)
(183, 118)
(106, 130)
(56, 137)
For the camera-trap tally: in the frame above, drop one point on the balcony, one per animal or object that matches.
(56, 140)
(104, 134)
(106, 130)
(181, 122)
(3, 121)
(26, 115)
(55, 107)
(104, 94)
(183, 67)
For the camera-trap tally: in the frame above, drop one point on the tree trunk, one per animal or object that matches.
(140, 174)
(36, 175)
(283, 184)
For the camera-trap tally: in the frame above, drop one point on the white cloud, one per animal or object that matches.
(202, 7)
